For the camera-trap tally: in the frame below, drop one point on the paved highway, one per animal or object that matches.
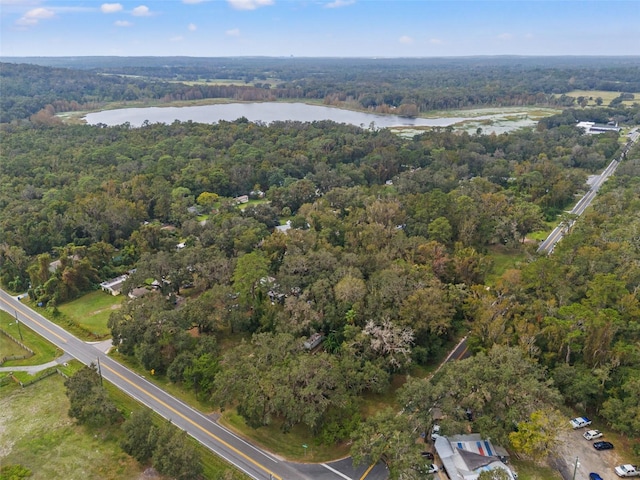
(556, 235)
(254, 462)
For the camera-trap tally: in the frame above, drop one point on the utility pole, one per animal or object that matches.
(100, 373)
(575, 469)
(18, 322)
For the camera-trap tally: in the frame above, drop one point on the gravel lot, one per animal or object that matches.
(590, 460)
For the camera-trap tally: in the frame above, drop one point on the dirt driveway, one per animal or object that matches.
(573, 446)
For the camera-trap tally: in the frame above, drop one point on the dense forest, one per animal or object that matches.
(405, 86)
(389, 257)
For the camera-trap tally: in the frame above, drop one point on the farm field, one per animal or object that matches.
(36, 432)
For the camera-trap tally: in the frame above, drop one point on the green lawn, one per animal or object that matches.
(91, 312)
(44, 351)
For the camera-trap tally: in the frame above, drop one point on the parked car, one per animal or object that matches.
(592, 434)
(603, 445)
(427, 455)
(427, 468)
(580, 422)
(627, 471)
(435, 432)
(594, 476)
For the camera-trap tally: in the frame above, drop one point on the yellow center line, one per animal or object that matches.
(195, 424)
(367, 472)
(35, 321)
(463, 352)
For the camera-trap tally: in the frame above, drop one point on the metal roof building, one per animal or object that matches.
(465, 457)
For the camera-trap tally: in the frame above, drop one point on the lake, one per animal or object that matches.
(266, 112)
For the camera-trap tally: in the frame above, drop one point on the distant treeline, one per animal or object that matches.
(405, 86)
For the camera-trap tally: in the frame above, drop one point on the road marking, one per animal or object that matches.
(463, 352)
(195, 424)
(336, 471)
(35, 321)
(367, 472)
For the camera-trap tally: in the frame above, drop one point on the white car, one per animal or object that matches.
(435, 432)
(580, 422)
(592, 434)
(627, 471)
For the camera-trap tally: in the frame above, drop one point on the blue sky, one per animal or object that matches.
(335, 28)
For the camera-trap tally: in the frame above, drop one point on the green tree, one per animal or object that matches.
(89, 402)
(139, 440)
(537, 437)
(387, 436)
(251, 269)
(175, 456)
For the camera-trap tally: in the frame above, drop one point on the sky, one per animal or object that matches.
(319, 28)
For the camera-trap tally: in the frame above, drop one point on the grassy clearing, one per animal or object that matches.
(44, 351)
(92, 311)
(35, 431)
(504, 259)
(606, 96)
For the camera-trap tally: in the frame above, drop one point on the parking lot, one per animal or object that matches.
(573, 446)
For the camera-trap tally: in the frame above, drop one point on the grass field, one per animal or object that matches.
(35, 431)
(92, 311)
(44, 351)
(606, 96)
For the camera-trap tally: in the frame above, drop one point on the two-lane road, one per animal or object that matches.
(251, 460)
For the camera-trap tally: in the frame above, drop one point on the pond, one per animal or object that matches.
(267, 112)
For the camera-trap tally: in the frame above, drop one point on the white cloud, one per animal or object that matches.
(32, 17)
(176, 38)
(110, 7)
(249, 4)
(122, 23)
(505, 36)
(141, 11)
(234, 32)
(436, 41)
(340, 3)
(192, 27)
(405, 40)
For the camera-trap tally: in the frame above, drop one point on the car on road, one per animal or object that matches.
(627, 471)
(594, 476)
(603, 445)
(592, 434)
(580, 422)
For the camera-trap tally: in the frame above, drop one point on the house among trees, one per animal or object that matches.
(465, 457)
(314, 341)
(114, 286)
